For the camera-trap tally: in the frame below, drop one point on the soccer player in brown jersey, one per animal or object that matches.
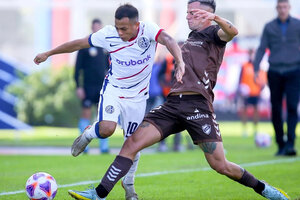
(189, 105)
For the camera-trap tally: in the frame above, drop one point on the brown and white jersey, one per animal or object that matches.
(202, 54)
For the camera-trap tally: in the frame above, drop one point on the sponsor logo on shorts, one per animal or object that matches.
(198, 116)
(206, 128)
(109, 109)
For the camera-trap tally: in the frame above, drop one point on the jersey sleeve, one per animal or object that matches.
(152, 30)
(216, 38)
(98, 39)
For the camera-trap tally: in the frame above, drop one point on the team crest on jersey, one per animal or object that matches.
(143, 42)
(206, 128)
(109, 109)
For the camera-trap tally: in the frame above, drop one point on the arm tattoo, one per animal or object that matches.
(208, 147)
(230, 25)
(144, 124)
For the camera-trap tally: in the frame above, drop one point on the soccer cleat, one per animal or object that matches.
(89, 194)
(80, 143)
(130, 193)
(273, 193)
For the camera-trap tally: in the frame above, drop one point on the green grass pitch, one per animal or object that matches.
(161, 176)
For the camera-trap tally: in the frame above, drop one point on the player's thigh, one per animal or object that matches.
(92, 93)
(146, 135)
(132, 114)
(292, 89)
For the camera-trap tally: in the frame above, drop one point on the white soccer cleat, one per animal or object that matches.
(80, 143)
(130, 193)
(273, 193)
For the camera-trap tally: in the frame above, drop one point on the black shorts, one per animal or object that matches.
(252, 100)
(186, 113)
(92, 94)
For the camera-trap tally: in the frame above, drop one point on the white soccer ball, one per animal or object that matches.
(263, 140)
(41, 186)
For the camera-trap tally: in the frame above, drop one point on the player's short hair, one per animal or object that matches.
(96, 21)
(282, 1)
(127, 10)
(210, 3)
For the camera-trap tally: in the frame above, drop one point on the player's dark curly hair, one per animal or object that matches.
(210, 3)
(127, 10)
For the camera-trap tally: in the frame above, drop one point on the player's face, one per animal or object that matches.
(283, 9)
(193, 22)
(126, 28)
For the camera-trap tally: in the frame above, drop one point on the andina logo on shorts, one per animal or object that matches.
(198, 116)
(133, 62)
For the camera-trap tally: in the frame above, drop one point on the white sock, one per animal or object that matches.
(128, 179)
(90, 132)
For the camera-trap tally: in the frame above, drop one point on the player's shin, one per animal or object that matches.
(129, 177)
(115, 172)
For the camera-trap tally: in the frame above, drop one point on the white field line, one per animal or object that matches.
(269, 162)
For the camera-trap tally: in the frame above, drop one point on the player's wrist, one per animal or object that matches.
(215, 17)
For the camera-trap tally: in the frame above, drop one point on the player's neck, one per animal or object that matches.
(203, 27)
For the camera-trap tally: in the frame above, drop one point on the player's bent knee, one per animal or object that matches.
(106, 129)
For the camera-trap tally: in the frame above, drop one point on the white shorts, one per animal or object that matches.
(131, 112)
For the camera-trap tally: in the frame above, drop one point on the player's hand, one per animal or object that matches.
(179, 71)
(80, 93)
(203, 15)
(40, 58)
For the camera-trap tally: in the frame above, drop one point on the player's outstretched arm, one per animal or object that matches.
(227, 31)
(67, 47)
(175, 50)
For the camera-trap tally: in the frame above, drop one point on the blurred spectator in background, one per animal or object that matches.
(250, 88)
(155, 90)
(166, 77)
(90, 69)
(282, 37)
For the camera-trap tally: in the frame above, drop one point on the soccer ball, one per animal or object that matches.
(41, 186)
(262, 140)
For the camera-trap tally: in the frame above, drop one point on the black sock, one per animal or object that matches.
(115, 172)
(101, 191)
(250, 181)
(259, 188)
